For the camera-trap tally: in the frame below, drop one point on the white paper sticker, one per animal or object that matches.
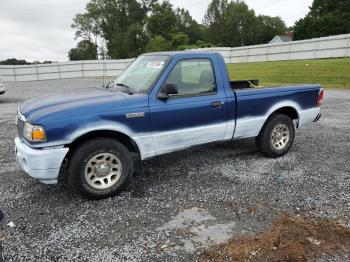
(155, 64)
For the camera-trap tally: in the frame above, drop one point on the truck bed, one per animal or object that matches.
(243, 84)
(254, 105)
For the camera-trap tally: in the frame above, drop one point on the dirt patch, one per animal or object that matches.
(288, 239)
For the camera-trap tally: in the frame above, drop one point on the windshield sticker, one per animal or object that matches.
(155, 64)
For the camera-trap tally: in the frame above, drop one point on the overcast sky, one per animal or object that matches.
(40, 29)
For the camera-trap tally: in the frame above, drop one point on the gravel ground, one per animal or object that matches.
(181, 203)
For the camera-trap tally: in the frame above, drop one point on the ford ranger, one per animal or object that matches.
(163, 102)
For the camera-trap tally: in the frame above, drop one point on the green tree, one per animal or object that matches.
(240, 25)
(214, 20)
(325, 18)
(120, 18)
(158, 44)
(114, 21)
(124, 27)
(136, 40)
(202, 44)
(162, 20)
(179, 39)
(88, 25)
(14, 61)
(233, 23)
(269, 27)
(186, 24)
(85, 50)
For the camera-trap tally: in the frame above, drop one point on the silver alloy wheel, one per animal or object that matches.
(280, 137)
(103, 171)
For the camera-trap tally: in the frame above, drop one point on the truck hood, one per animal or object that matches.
(81, 102)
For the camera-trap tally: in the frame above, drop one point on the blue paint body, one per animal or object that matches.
(167, 125)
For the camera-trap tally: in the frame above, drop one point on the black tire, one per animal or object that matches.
(264, 141)
(89, 150)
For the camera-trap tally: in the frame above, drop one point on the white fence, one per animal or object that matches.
(325, 47)
(76, 69)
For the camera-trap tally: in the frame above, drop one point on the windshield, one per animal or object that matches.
(141, 74)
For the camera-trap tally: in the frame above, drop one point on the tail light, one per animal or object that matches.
(320, 98)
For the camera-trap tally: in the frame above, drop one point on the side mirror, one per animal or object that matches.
(167, 90)
(109, 85)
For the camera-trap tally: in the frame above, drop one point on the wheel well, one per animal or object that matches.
(289, 111)
(122, 138)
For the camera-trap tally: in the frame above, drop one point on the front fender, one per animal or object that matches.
(65, 131)
(143, 140)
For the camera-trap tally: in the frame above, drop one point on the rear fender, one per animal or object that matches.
(251, 126)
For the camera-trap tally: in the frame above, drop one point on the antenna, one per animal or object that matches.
(104, 63)
(104, 72)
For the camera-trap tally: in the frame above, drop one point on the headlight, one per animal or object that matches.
(34, 133)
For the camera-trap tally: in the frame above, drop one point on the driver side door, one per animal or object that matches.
(196, 115)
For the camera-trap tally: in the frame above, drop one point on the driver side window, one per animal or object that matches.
(193, 77)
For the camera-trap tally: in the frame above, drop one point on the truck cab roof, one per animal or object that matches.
(188, 53)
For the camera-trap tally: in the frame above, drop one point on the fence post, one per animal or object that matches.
(248, 54)
(316, 48)
(14, 73)
(268, 52)
(347, 51)
(37, 72)
(82, 69)
(126, 65)
(59, 71)
(290, 49)
(104, 69)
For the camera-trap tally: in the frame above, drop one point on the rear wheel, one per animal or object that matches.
(277, 136)
(100, 168)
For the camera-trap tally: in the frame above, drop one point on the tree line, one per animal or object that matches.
(126, 28)
(14, 61)
(325, 18)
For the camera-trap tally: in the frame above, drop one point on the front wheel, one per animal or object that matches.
(277, 136)
(100, 168)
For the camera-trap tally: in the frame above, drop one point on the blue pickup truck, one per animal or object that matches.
(163, 102)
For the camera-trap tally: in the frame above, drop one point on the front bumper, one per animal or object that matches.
(42, 164)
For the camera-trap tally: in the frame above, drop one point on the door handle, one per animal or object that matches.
(217, 104)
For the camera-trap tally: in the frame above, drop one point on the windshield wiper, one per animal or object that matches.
(129, 89)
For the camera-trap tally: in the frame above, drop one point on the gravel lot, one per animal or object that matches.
(181, 203)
